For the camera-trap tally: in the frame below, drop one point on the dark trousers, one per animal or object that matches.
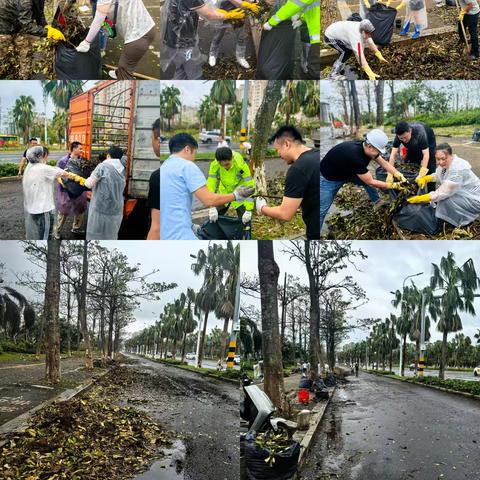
(470, 22)
(314, 62)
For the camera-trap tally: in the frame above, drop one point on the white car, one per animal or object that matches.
(190, 356)
(476, 371)
(236, 359)
(212, 137)
(169, 355)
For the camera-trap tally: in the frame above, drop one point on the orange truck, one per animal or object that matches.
(121, 113)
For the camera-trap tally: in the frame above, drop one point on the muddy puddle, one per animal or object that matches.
(169, 467)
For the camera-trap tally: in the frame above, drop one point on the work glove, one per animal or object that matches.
(260, 202)
(379, 55)
(419, 198)
(247, 217)
(267, 26)
(253, 7)
(237, 14)
(212, 214)
(84, 47)
(422, 181)
(370, 74)
(242, 193)
(461, 15)
(367, 3)
(399, 176)
(389, 178)
(394, 185)
(400, 6)
(77, 179)
(55, 34)
(296, 22)
(423, 171)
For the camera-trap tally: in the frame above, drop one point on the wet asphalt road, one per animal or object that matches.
(377, 429)
(204, 410)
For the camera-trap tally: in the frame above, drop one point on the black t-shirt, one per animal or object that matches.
(344, 161)
(182, 23)
(422, 138)
(303, 181)
(154, 190)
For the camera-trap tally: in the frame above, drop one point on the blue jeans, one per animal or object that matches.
(329, 189)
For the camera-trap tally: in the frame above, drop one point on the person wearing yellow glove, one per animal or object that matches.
(469, 16)
(239, 31)
(352, 37)
(179, 45)
(457, 193)
(419, 140)
(22, 24)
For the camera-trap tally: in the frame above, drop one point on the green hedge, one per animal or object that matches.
(11, 169)
(469, 117)
(18, 347)
(466, 386)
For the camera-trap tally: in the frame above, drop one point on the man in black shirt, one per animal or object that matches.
(154, 187)
(23, 163)
(348, 162)
(302, 186)
(419, 140)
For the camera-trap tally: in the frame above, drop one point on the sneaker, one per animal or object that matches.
(243, 63)
(112, 74)
(212, 61)
(405, 29)
(102, 53)
(416, 33)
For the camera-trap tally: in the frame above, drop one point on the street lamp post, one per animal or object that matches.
(421, 361)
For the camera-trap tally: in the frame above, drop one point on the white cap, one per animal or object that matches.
(366, 26)
(377, 138)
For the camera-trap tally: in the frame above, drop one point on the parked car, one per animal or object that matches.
(169, 355)
(236, 359)
(476, 371)
(190, 356)
(412, 367)
(212, 136)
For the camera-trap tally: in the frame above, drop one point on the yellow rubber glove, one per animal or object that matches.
(389, 178)
(423, 171)
(77, 179)
(55, 34)
(367, 3)
(379, 55)
(461, 15)
(237, 14)
(422, 181)
(400, 6)
(400, 176)
(369, 72)
(253, 7)
(419, 198)
(394, 185)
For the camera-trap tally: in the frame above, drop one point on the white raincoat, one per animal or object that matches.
(416, 13)
(457, 196)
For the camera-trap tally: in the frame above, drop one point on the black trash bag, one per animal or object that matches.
(71, 65)
(275, 55)
(284, 468)
(354, 17)
(419, 218)
(451, 3)
(321, 394)
(305, 383)
(381, 174)
(225, 228)
(476, 136)
(383, 19)
(330, 380)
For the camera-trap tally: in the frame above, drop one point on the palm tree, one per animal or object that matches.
(291, 101)
(235, 115)
(477, 336)
(24, 115)
(311, 100)
(207, 112)
(170, 104)
(223, 93)
(188, 322)
(458, 286)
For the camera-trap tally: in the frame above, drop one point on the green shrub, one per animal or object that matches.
(468, 117)
(466, 386)
(18, 347)
(8, 170)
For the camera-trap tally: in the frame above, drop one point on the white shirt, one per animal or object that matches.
(222, 144)
(133, 19)
(39, 188)
(348, 33)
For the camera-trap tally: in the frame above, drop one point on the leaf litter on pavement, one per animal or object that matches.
(88, 437)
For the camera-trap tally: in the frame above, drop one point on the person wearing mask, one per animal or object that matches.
(351, 38)
(154, 187)
(348, 162)
(456, 196)
(301, 182)
(180, 180)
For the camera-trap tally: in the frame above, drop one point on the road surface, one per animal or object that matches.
(16, 157)
(448, 374)
(204, 410)
(377, 428)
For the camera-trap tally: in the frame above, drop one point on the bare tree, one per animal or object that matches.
(379, 90)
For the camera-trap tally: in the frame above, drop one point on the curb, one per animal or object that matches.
(434, 387)
(20, 424)
(13, 178)
(317, 412)
(229, 380)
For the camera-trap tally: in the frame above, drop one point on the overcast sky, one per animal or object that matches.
(389, 262)
(172, 258)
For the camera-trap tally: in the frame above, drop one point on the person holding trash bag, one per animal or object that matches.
(131, 20)
(228, 171)
(22, 23)
(107, 183)
(417, 14)
(457, 194)
(469, 14)
(38, 193)
(180, 40)
(309, 12)
(351, 37)
(419, 140)
(348, 162)
(301, 181)
(239, 29)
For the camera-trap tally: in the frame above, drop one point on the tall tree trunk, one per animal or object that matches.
(356, 106)
(284, 314)
(443, 360)
(379, 91)
(271, 349)
(202, 341)
(51, 307)
(404, 354)
(111, 321)
(69, 318)
(82, 309)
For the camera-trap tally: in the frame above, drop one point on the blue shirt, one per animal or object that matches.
(179, 178)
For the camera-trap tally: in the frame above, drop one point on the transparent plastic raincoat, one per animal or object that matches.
(416, 13)
(457, 196)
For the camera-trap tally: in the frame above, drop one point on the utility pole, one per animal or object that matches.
(243, 125)
(232, 346)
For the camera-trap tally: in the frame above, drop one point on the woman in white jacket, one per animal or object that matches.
(457, 194)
